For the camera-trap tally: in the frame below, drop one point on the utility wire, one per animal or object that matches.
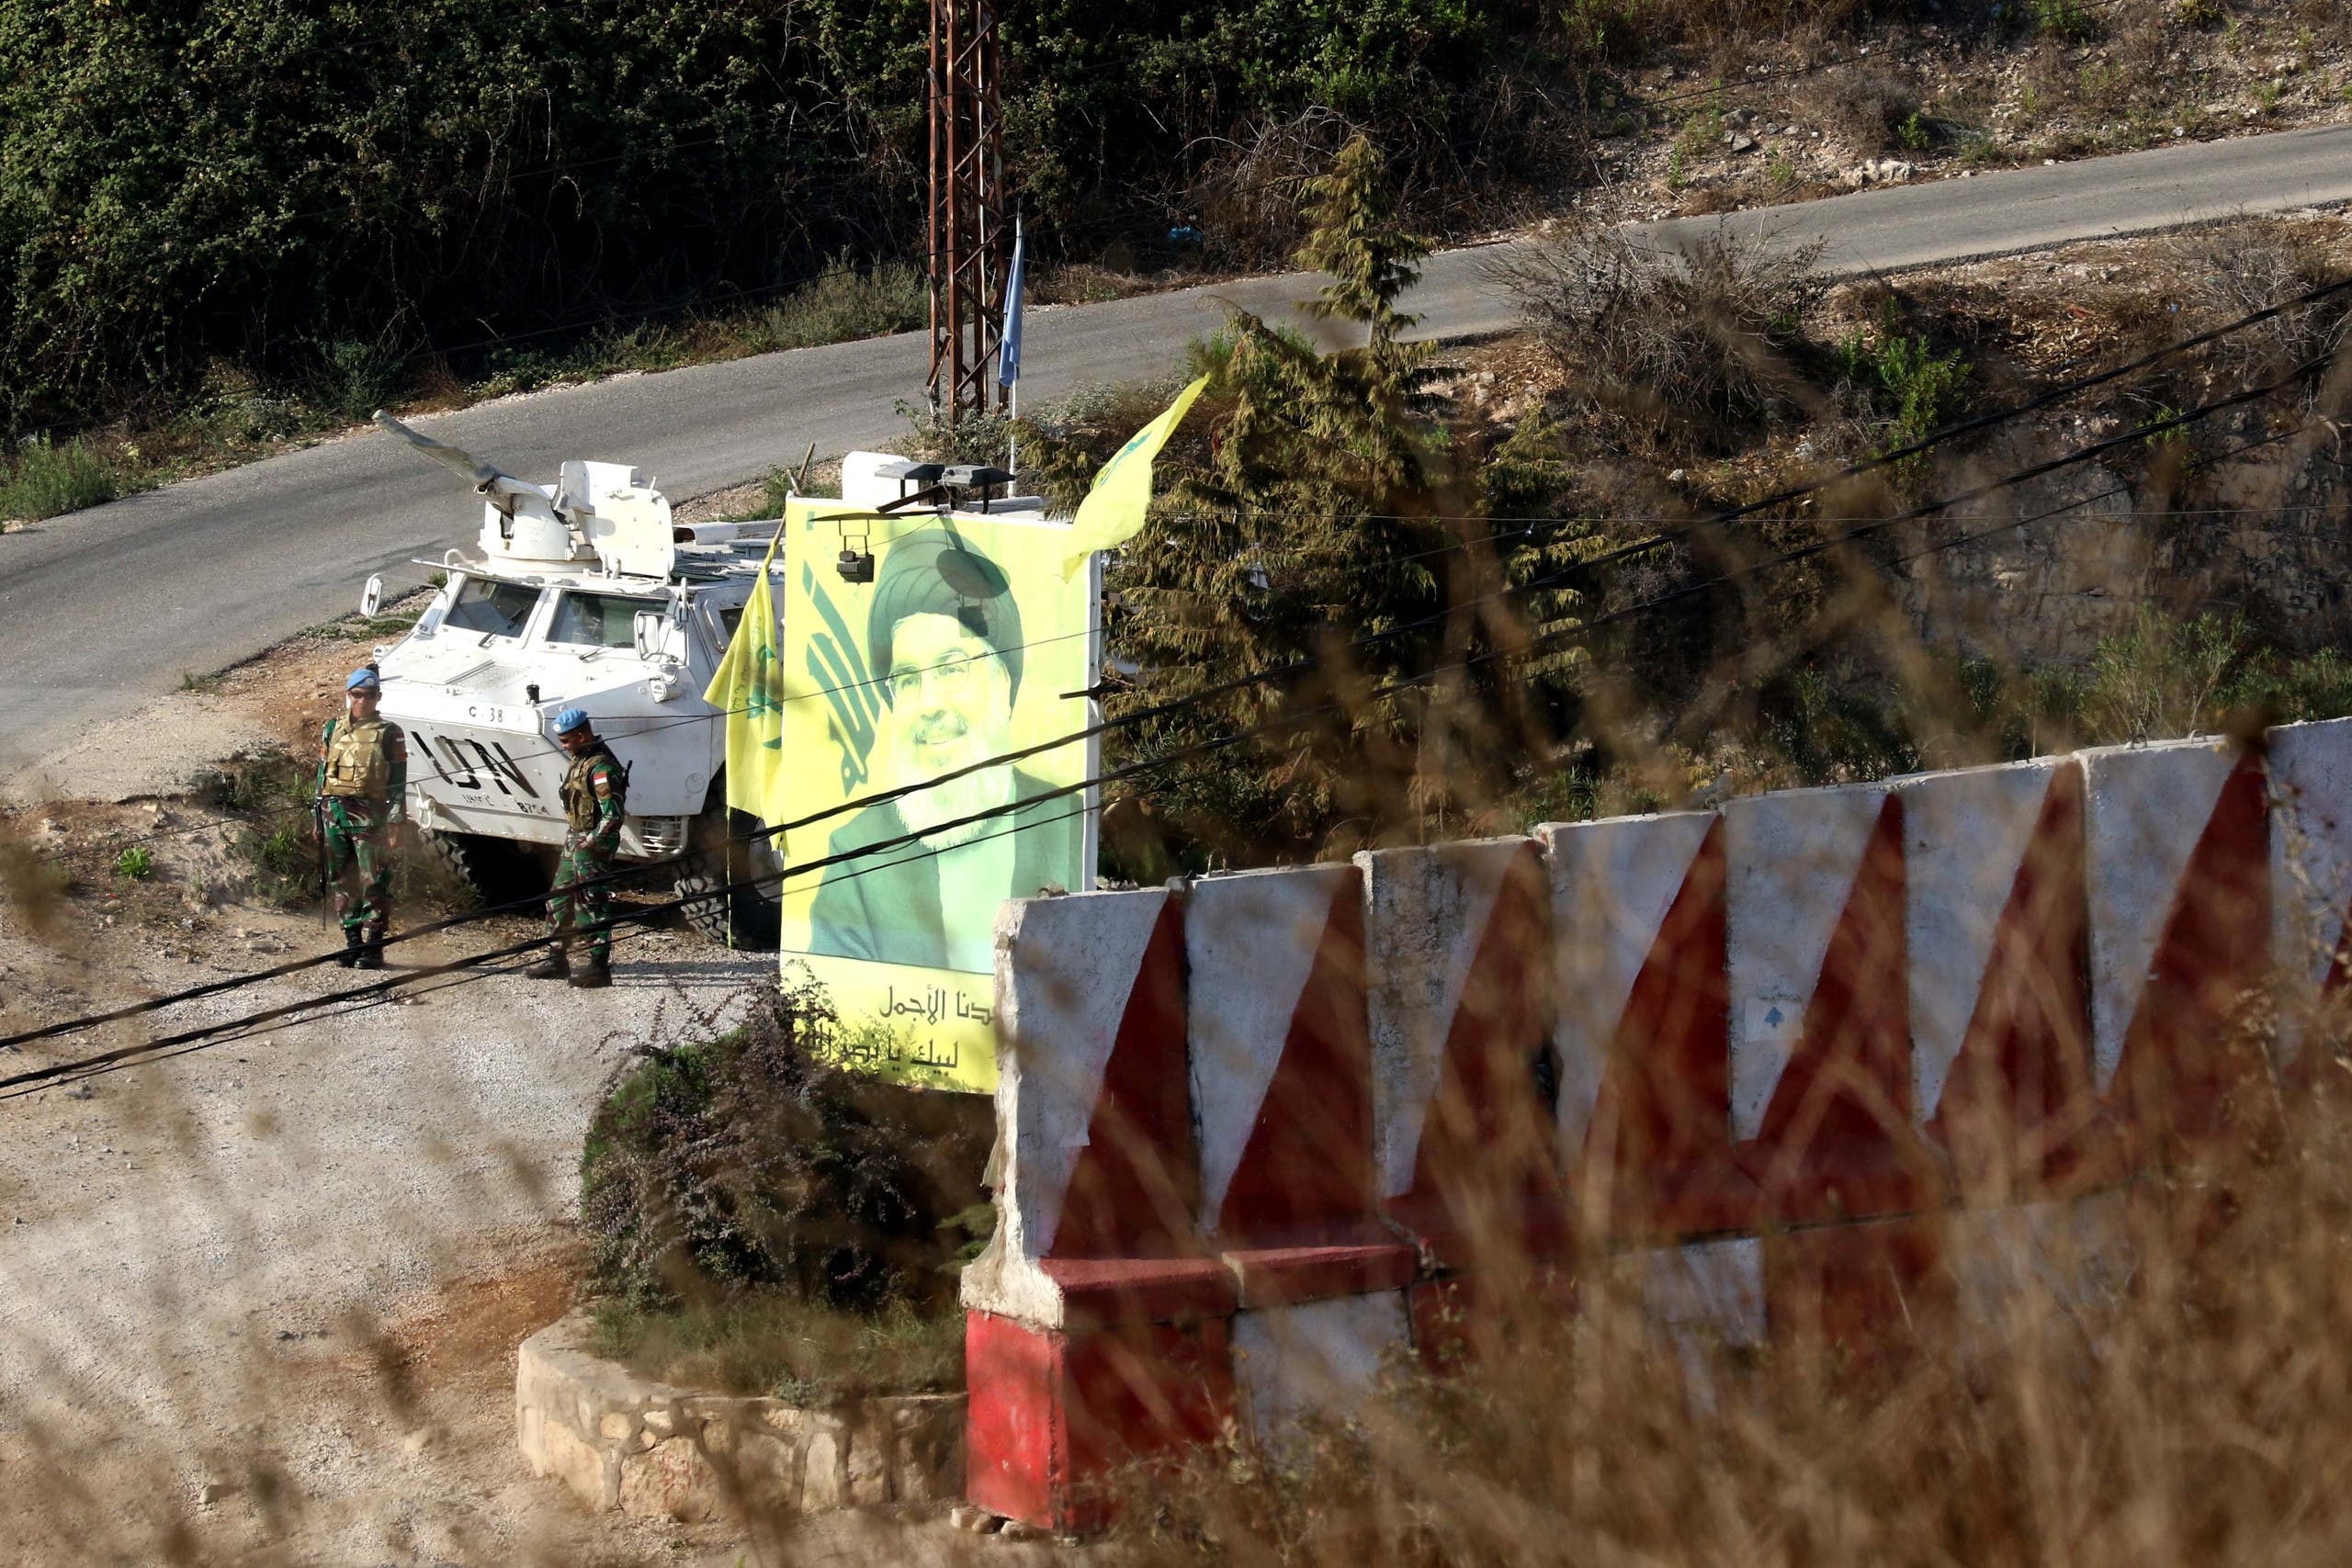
(1301, 666)
(1154, 763)
(31, 1081)
(509, 957)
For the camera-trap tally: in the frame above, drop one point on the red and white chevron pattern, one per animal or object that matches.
(1832, 1058)
(1458, 942)
(2311, 874)
(1641, 1026)
(1281, 1064)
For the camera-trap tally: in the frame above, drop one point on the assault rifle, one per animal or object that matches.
(318, 820)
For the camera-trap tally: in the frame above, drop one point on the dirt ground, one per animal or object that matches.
(259, 1301)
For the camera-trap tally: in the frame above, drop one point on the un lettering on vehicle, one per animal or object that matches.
(505, 775)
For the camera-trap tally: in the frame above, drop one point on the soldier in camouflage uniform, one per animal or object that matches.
(579, 906)
(363, 773)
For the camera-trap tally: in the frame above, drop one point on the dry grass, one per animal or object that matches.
(2157, 1373)
(1687, 345)
(777, 1345)
(2233, 270)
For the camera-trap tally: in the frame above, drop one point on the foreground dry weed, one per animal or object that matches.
(2165, 1381)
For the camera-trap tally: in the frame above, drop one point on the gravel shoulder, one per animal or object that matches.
(259, 1301)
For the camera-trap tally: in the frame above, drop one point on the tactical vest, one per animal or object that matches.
(580, 795)
(360, 760)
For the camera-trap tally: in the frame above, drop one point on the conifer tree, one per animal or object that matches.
(1328, 505)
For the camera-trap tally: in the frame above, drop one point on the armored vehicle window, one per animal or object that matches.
(598, 620)
(499, 608)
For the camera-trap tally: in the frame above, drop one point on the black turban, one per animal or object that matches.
(933, 572)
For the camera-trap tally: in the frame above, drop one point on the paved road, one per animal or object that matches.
(104, 609)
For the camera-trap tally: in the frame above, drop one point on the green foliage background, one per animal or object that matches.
(320, 193)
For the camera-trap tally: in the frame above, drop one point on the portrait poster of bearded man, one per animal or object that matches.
(969, 643)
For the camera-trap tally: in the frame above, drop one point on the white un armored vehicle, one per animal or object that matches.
(582, 594)
(586, 595)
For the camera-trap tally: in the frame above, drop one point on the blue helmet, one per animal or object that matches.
(363, 679)
(570, 719)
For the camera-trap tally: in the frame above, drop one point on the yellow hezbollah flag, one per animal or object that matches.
(1113, 511)
(749, 689)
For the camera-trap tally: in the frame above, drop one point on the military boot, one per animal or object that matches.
(372, 949)
(554, 966)
(594, 975)
(351, 939)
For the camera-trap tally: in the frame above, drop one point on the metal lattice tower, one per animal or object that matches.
(971, 227)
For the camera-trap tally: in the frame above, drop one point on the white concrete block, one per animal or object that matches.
(1793, 858)
(1964, 838)
(1425, 916)
(2310, 862)
(2144, 809)
(1612, 883)
(1249, 943)
(1323, 1356)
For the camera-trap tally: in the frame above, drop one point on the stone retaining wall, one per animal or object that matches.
(654, 1451)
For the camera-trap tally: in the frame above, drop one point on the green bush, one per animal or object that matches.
(2071, 21)
(49, 481)
(136, 864)
(318, 193)
(780, 1346)
(354, 380)
(844, 303)
(749, 1160)
(1903, 381)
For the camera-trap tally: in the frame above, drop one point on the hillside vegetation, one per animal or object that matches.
(229, 227)
(319, 195)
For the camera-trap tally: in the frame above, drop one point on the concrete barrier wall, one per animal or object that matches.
(1263, 1134)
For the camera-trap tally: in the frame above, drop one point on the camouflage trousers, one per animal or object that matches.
(359, 863)
(578, 914)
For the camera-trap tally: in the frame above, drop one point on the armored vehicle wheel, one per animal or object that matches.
(724, 857)
(494, 870)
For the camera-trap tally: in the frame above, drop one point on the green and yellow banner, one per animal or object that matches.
(749, 689)
(1114, 509)
(967, 645)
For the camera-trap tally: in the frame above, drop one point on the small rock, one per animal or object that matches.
(211, 1491)
(1020, 1530)
(1740, 118)
(973, 1522)
(1740, 143)
(416, 1442)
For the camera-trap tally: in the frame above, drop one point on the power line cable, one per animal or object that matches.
(27, 1082)
(1226, 688)
(35, 1078)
